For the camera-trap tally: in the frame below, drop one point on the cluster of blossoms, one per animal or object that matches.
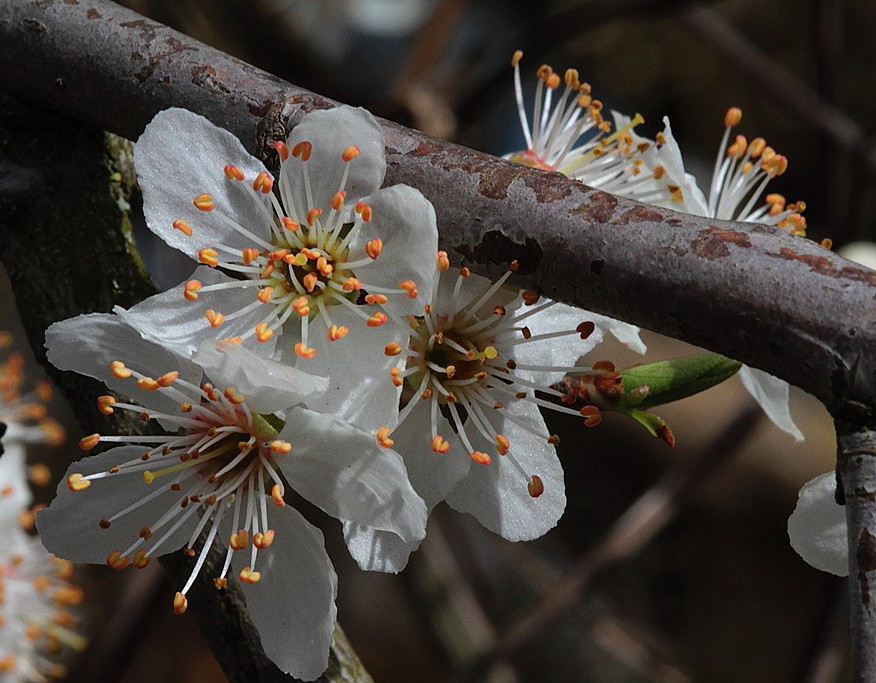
(652, 171)
(322, 344)
(36, 596)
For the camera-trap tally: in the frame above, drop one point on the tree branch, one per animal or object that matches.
(725, 286)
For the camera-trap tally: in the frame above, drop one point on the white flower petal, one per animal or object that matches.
(293, 604)
(625, 333)
(87, 344)
(771, 393)
(268, 386)
(360, 388)
(343, 471)
(69, 526)
(817, 527)
(16, 494)
(330, 132)
(497, 495)
(377, 551)
(182, 155)
(405, 221)
(175, 322)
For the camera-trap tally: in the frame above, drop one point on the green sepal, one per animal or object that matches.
(655, 425)
(646, 386)
(267, 426)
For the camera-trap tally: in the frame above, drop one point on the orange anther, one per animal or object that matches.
(377, 319)
(247, 575)
(336, 332)
(105, 404)
(277, 495)
(443, 261)
(592, 415)
(248, 255)
(262, 332)
(215, 319)
(220, 582)
(115, 560)
(282, 150)
(464, 272)
(440, 444)
(118, 370)
(232, 395)
(86, 443)
(263, 182)
(502, 444)
(350, 153)
(209, 257)
(147, 383)
(383, 437)
(392, 349)
(141, 559)
(312, 215)
(516, 57)
(265, 294)
(535, 486)
(289, 224)
(410, 287)
(263, 540)
(183, 227)
(280, 447)
(180, 603)
(376, 299)
(233, 172)
(374, 247)
(552, 81)
(733, 116)
(268, 269)
(304, 351)
(278, 255)
(310, 281)
(480, 457)
(324, 267)
(302, 150)
(395, 373)
(76, 482)
(351, 284)
(338, 200)
(204, 202)
(190, 291)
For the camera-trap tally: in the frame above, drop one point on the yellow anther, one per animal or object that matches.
(733, 116)
(392, 349)
(115, 560)
(148, 477)
(282, 150)
(215, 319)
(232, 395)
(190, 291)
(183, 227)
(443, 261)
(262, 332)
(502, 444)
(313, 215)
(450, 371)
(263, 182)
(220, 583)
(374, 247)
(480, 457)
(180, 603)
(410, 287)
(516, 57)
(263, 540)
(265, 294)
(208, 257)
(310, 281)
(147, 383)
(204, 202)
(350, 153)
(105, 404)
(304, 351)
(280, 447)
(249, 576)
(141, 559)
(239, 540)
(302, 150)
(336, 332)
(233, 172)
(490, 352)
(76, 482)
(383, 437)
(756, 147)
(277, 495)
(440, 444)
(118, 370)
(289, 224)
(338, 200)
(535, 486)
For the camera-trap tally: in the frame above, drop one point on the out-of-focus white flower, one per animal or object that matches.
(318, 253)
(817, 528)
(216, 473)
(470, 431)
